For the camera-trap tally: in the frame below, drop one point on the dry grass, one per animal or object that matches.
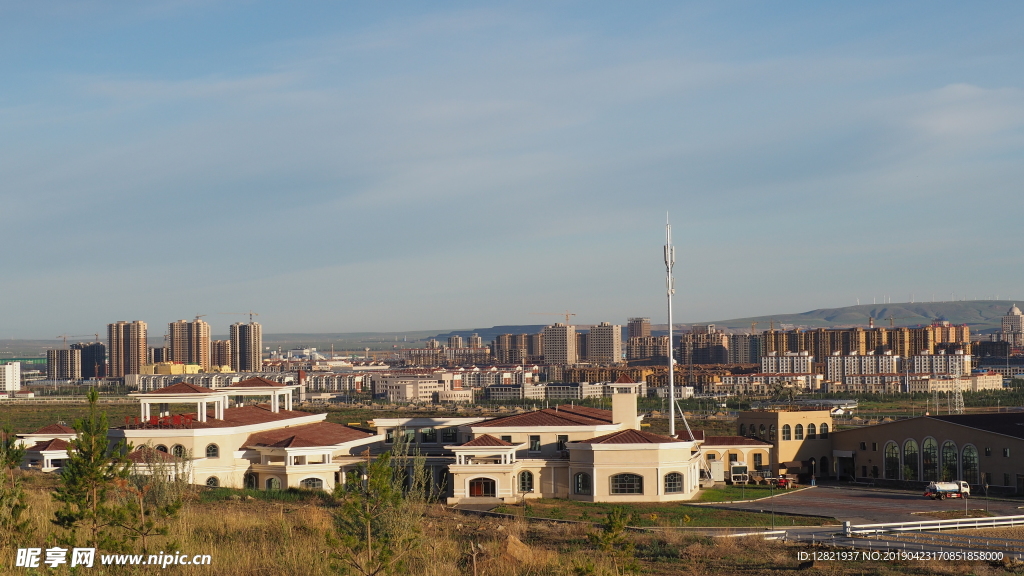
(256, 537)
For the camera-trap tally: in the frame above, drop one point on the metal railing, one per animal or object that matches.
(951, 524)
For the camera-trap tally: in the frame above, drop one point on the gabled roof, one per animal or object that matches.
(487, 440)
(55, 429)
(307, 435)
(256, 382)
(624, 379)
(148, 455)
(564, 415)
(1006, 423)
(55, 444)
(630, 436)
(733, 441)
(184, 388)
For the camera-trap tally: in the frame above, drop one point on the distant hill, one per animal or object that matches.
(980, 315)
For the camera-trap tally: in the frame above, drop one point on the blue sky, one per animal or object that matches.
(386, 166)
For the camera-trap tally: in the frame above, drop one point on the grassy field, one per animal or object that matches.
(24, 418)
(657, 514)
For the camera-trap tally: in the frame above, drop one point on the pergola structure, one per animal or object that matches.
(257, 386)
(182, 393)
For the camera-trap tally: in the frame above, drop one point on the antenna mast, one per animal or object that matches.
(670, 289)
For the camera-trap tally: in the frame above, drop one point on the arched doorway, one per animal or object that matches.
(249, 481)
(825, 470)
(482, 488)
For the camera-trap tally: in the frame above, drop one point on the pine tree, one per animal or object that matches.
(90, 472)
(13, 529)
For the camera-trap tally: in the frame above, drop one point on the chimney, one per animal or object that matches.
(624, 410)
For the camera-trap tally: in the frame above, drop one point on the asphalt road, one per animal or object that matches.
(861, 506)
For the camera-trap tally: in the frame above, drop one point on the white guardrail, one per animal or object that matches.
(952, 524)
(767, 535)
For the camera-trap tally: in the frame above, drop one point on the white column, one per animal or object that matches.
(220, 408)
(144, 406)
(288, 400)
(202, 410)
(273, 402)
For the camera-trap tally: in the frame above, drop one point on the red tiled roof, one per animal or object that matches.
(147, 455)
(55, 444)
(184, 388)
(487, 440)
(733, 441)
(697, 435)
(319, 434)
(564, 415)
(56, 429)
(630, 436)
(256, 382)
(624, 379)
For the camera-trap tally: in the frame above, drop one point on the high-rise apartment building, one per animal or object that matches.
(704, 344)
(456, 341)
(127, 345)
(559, 344)
(1013, 327)
(190, 342)
(958, 364)
(247, 347)
(647, 347)
(904, 342)
(744, 349)
(475, 341)
(220, 352)
(94, 358)
(604, 343)
(639, 327)
(158, 354)
(64, 364)
(838, 366)
(10, 377)
(787, 363)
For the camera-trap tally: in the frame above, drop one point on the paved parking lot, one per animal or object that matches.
(862, 506)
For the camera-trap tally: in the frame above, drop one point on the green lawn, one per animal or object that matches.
(25, 418)
(732, 492)
(658, 514)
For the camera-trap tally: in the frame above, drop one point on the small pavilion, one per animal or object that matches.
(184, 393)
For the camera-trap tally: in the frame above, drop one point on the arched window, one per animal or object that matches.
(798, 432)
(823, 431)
(930, 460)
(273, 484)
(161, 448)
(312, 484)
(582, 484)
(249, 481)
(812, 433)
(178, 450)
(627, 484)
(771, 432)
(673, 483)
(212, 482)
(910, 460)
(758, 461)
(892, 462)
(526, 481)
(786, 435)
(481, 488)
(212, 451)
(761, 431)
(743, 429)
(970, 463)
(950, 465)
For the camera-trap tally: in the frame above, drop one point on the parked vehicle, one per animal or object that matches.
(943, 490)
(781, 482)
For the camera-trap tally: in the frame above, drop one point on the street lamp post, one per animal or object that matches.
(773, 506)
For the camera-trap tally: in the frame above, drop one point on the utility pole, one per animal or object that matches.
(670, 289)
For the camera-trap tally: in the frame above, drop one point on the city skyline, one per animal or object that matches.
(874, 149)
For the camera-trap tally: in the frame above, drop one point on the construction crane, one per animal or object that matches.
(65, 337)
(753, 327)
(567, 314)
(250, 313)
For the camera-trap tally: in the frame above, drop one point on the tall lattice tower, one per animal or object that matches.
(958, 397)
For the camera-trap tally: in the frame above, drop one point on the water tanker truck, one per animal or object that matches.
(942, 490)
